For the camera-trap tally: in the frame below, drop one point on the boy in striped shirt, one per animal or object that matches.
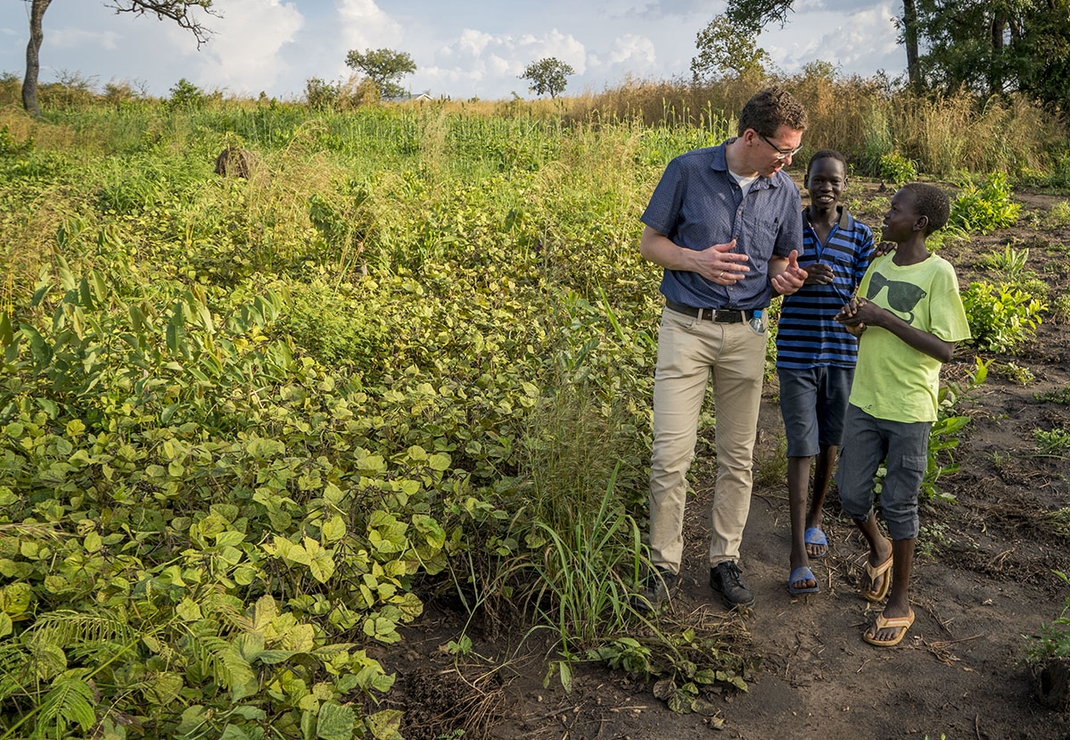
(816, 355)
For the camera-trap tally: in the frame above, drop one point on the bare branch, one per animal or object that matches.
(179, 11)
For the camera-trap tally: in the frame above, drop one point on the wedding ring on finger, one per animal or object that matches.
(720, 275)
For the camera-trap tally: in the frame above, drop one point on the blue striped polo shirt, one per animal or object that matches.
(807, 335)
(698, 204)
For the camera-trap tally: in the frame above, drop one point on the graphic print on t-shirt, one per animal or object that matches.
(902, 296)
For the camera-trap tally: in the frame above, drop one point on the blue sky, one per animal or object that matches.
(462, 49)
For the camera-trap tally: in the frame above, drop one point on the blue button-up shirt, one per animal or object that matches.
(698, 204)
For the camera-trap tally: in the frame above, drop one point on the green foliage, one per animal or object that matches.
(327, 388)
(321, 95)
(10, 148)
(896, 169)
(1054, 639)
(1002, 318)
(1011, 262)
(1056, 176)
(1058, 395)
(946, 431)
(548, 75)
(1058, 217)
(1060, 309)
(726, 48)
(1052, 443)
(1015, 373)
(985, 207)
(384, 67)
(1059, 521)
(187, 96)
(688, 668)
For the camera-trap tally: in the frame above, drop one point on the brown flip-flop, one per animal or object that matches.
(882, 622)
(878, 571)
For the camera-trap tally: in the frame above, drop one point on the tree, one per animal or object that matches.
(179, 11)
(725, 47)
(384, 67)
(548, 75)
(754, 15)
(998, 46)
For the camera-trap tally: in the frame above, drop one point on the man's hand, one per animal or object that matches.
(785, 275)
(719, 264)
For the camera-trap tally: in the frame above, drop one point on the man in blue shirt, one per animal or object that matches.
(725, 224)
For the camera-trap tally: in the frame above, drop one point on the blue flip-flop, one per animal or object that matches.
(815, 536)
(802, 573)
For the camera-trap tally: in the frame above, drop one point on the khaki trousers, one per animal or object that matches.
(688, 349)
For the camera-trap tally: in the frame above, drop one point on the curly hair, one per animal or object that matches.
(932, 202)
(769, 109)
(826, 154)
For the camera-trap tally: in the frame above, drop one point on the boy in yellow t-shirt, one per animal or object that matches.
(908, 316)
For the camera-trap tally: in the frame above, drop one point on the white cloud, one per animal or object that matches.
(364, 25)
(473, 42)
(636, 50)
(554, 44)
(244, 52)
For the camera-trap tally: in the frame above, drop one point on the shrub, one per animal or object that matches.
(982, 208)
(186, 95)
(896, 169)
(321, 95)
(1002, 318)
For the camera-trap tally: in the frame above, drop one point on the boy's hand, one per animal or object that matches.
(819, 273)
(859, 311)
(791, 278)
(849, 317)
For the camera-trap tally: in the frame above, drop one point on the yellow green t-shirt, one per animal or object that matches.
(893, 380)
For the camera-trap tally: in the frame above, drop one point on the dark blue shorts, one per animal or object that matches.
(903, 447)
(813, 402)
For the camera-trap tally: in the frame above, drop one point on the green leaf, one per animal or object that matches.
(68, 699)
(333, 529)
(188, 610)
(439, 461)
(272, 657)
(335, 722)
(164, 688)
(7, 333)
(384, 725)
(320, 561)
(92, 542)
(232, 732)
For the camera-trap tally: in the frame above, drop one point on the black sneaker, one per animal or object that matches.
(658, 586)
(727, 579)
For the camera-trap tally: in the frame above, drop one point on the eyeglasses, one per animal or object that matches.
(781, 154)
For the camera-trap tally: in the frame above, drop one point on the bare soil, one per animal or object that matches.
(983, 580)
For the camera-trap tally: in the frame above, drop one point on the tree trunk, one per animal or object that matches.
(910, 40)
(33, 65)
(996, 66)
